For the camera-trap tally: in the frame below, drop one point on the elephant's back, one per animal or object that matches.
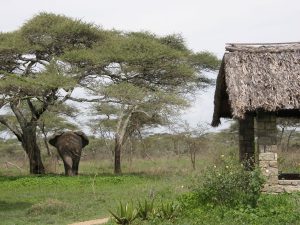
(69, 140)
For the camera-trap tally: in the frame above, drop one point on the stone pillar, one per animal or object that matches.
(246, 141)
(267, 147)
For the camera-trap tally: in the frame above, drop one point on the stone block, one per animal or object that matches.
(274, 163)
(267, 148)
(273, 172)
(264, 164)
(284, 182)
(296, 183)
(267, 156)
(290, 188)
(276, 189)
(273, 180)
(273, 189)
(268, 172)
(266, 141)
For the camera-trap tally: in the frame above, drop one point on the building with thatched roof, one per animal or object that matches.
(259, 82)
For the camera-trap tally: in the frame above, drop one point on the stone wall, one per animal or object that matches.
(266, 132)
(269, 167)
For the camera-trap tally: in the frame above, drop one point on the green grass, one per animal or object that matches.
(283, 209)
(55, 199)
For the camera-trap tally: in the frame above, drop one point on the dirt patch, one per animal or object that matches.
(92, 222)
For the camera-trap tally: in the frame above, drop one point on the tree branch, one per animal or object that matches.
(84, 99)
(19, 115)
(50, 99)
(28, 68)
(11, 127)
(32, 109)
(143, 112)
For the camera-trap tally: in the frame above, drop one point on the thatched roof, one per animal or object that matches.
(256, 77)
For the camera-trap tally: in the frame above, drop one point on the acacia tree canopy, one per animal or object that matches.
(142, 77)
(33, 72)
(142, 80)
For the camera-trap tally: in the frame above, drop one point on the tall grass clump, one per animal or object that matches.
(229, 184)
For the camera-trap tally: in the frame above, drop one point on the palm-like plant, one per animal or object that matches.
(125, 214)
(145, 209)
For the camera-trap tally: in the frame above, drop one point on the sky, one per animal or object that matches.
(205, 25)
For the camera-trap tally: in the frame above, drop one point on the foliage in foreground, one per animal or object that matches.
(224, 194)
(229, 184)
(127, 212)
(271, 209)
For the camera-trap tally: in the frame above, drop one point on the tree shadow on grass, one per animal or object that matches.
(10, 206)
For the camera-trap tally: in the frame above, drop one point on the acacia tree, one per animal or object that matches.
(289, 126)
(141, 80)
(133, 108)
(33, 73)
(193, 137)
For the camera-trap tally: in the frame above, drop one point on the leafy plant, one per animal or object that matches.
(145, 209)
(125, 214)
(168, 210)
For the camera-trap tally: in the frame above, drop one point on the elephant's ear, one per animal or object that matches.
(53, 138)
(85, 139)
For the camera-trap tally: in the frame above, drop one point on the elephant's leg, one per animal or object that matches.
(68, 163)
(75, 166)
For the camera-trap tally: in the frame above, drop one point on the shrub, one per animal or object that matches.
(230, 184)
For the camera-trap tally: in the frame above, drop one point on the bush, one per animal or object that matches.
(229, 184)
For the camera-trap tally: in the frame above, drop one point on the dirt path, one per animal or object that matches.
(92, 222)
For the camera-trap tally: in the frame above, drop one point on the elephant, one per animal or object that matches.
(69, 145)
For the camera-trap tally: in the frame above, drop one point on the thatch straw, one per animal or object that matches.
(258, 78)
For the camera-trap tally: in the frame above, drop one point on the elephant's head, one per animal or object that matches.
(53, 139)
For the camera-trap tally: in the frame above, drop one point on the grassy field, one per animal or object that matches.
(54, 199)
(61, 200)
(163, 176)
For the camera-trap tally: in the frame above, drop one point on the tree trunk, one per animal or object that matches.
(289, 139)
(192, 147)
(118, 148)
(29, 143)
(45, 139)
(280, 139)
(175, 145)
